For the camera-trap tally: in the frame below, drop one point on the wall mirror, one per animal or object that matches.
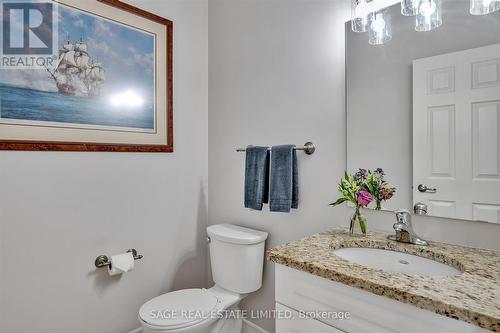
(425, 107)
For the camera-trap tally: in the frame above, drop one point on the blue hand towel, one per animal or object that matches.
(283, 188)
(256, 177)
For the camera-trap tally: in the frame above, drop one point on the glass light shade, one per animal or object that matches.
(484, 7)
(409, 7)
(429, 16)
(360, 10)
(379, 27)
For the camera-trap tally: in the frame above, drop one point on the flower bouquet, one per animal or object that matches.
(362, 188)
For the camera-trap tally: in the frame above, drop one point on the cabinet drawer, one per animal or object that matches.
(300, 325)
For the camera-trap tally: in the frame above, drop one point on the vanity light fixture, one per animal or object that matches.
(429, 15)
(379, 28)
(373, 15)
(409, 7)
(484, 7)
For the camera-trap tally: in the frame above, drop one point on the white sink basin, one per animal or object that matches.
(395, 262)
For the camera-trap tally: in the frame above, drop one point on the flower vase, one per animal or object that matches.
(357, 226)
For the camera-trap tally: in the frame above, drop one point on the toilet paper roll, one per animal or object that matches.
(121, 263)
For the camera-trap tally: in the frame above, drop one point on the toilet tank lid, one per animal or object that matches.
(230, 233)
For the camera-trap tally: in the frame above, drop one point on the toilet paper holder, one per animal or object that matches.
(103, 260)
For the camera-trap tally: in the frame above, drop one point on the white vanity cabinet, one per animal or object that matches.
(300, 324)
(301, 291)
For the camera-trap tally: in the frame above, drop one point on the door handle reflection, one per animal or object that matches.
(424, 189)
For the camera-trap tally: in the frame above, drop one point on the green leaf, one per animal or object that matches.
(338, 202)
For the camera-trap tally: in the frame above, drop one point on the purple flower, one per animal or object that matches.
(380, 171)
(364, 198)
(361, 174)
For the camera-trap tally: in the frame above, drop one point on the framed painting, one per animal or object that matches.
(85, 76)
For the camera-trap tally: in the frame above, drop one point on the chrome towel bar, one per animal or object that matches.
(308, 148)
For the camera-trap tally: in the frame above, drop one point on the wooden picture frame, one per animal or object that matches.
(165, 142)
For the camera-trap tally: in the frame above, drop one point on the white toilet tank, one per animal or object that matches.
(237, 257)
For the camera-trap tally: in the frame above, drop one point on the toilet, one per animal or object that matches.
(237, 257)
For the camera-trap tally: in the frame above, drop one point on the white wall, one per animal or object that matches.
(59, 210)
(276, 75)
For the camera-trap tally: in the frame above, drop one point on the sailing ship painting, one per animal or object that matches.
(76, 73)
(102, 79)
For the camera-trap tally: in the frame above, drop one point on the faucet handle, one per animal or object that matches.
(420, 208)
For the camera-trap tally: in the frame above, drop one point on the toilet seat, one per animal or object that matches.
(179, 309)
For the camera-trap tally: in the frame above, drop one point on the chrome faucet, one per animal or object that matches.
(404, 229)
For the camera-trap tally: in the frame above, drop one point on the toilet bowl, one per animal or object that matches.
(188, 310)
(237, 256)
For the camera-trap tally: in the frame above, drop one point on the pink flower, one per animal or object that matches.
(364, 198)
(387, 195)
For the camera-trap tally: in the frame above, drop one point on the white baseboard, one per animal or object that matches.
(248, 327)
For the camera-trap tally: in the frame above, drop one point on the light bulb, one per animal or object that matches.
(359, 15)
(427, 8)
(378, 24)
(484, 7)
(379, 29)
(429, 15)
(410, 7)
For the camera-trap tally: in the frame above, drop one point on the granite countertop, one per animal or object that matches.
(473, 296)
